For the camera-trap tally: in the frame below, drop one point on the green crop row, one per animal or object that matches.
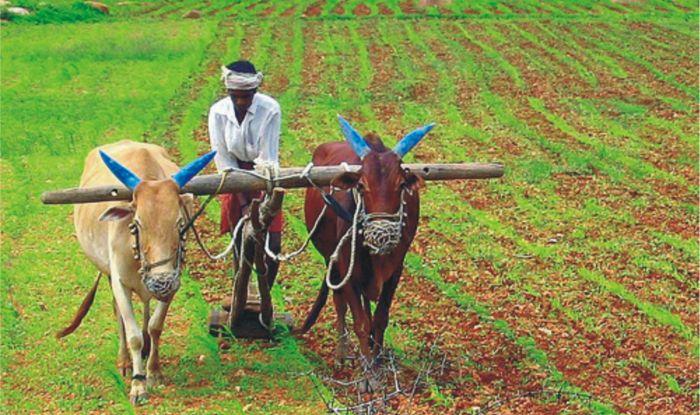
(510, 233)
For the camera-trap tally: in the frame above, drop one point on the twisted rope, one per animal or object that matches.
(352, 231)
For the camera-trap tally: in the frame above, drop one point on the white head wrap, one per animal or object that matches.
(239, 80)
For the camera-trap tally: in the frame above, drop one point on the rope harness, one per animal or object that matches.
(381, 231)
(161, 284)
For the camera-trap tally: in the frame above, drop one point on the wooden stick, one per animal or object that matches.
(289, 179)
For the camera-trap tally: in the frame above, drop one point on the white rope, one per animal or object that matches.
(334, 258)
(286, 257)
(264, 177)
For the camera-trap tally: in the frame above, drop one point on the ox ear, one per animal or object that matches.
(346, 180)
(358, 144)
(124, 175)
(187, 201)
(411, 139)
(189, 171)
(117, 213)
(413, 182)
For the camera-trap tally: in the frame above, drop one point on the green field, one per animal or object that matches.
(576, 272)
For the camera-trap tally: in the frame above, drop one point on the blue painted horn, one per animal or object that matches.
(411, 139)
(189, 171)
(124, 175)
(358, 144)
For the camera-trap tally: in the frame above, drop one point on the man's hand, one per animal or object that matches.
(267, 168)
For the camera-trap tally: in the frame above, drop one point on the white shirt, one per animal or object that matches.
(256, 139)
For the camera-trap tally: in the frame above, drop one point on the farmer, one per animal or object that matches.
(244, 129)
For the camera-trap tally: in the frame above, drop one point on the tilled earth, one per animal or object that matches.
(568, 286)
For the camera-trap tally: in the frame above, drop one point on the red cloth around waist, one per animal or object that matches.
(231, 209)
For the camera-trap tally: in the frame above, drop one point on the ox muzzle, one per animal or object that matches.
(382, 231)
(163, 285)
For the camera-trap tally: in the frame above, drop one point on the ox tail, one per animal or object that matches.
(82, 311)
(315, 310)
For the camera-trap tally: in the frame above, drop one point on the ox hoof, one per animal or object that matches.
(138, 398)
(342, 354)
(138, 394)
(154, 378)
(364, 386)
(369, 385)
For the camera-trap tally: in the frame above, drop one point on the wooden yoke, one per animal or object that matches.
(253, 233)
(289, 178)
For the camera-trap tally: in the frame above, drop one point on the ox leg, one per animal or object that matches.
(341, 308)
(361, 325)
(123, 359)
(368, 311)
(155, 328)
(134, 338)
(381, 315)
(146, 350)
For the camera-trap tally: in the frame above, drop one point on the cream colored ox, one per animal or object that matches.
(139, 245)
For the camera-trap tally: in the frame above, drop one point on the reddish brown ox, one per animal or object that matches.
(387, 222)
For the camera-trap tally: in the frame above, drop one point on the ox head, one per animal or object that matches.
(157, 218)
(382, 181)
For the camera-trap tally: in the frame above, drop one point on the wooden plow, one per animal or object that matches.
(250, 314)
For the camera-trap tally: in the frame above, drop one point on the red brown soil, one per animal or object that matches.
(384, 10)
(545, 87)
(642, 37)
(214, 12)
(587, 358)
(408, 7)
(361, 10)
(171, 12)
(290, 11)
(516, 9)
(151, 9)
(315, 9)
(640, 73)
